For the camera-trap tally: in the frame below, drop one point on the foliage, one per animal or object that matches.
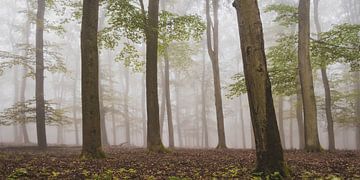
(287, 15)
(26, 112)
(127, 22)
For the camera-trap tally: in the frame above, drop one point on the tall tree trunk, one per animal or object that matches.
(329, 118)
(113, 119)
(126, 106)
(269, 153)
(17, 137)
(163, 100)
(212, 33)
(143, 110)
(178, 105)
(76, 127)
(90, 81)
(281, 121)
(104, 137)
(22, 101)
(357, 110)
(203, 103)
(299, 115)
(241, 113)
(153, 126)
(168, 100)
(39, 90)
(306, 79)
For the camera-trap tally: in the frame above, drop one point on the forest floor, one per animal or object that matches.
(122, 163)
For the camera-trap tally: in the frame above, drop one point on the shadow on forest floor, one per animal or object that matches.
(137, 163)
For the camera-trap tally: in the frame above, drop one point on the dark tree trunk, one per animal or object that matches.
(153, 126)
(39, 90)
(90, 81)
(306, 79)
(269, 152)
(168, 100)
(212, 33)
(329, 118)
(299, 115)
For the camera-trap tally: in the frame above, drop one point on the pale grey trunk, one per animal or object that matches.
(168, 100)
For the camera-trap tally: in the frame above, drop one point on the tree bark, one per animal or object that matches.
(90, 81)
(39, 89)
(212, 33)
(329, 118)
(306, 79)
(168, 100)
(269, 153)
(299, 115)
(153, 126)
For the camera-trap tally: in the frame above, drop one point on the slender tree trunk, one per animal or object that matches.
(291, 132)
(163, 100)
(104, 137)
(113, 120)
(168, 100)
(357, 110)
(126, 106)
(76, 127)
(213, 50)
(269, 153)
(16, 99)
(153, 126)
(281, 121)
(203, 103)
(299, 115)
(329, 118)
(90, 81)
(22, 101)
(178, 121)
(308, 96)
(143, 110)
(39, 90)
(241, 111)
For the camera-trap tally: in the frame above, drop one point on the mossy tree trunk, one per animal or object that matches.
(269, 153)
(90, 81)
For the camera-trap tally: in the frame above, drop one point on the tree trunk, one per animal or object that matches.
(90, 81)
(269, 152)
(113, 119)
(203, 104)
(357, 110)
(126, 106)
(212, 33)
(76, 127)
(153, 126)
(143, 110)
(299, 115)
(306, 79)
(39, 90)
(178, 127)
(241, 113)
(104, 137)
(163, 100)
(281, 121)
(329, 118)
(168, 99)
(22, 101)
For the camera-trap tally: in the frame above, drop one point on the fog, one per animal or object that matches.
(122, 83)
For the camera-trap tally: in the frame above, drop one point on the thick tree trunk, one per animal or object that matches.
(269, 152)
(212, 33)
(168, 100)
(126, 106)
(39, 90)
(90, 81)
(203, 105)
(306, 79)
(281, 121)
(299, 115)
(329, 118)
(153, 126)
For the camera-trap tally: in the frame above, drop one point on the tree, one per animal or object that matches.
(325, 79)
(39, 89)
(90, 81)
(212, 34)
(306, 79)
(269, 152)
(151, 33)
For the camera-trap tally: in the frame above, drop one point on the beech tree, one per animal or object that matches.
(269, 153)
(90, 81)
(306, 79)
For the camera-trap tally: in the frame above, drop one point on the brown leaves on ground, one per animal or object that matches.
(120, 163)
